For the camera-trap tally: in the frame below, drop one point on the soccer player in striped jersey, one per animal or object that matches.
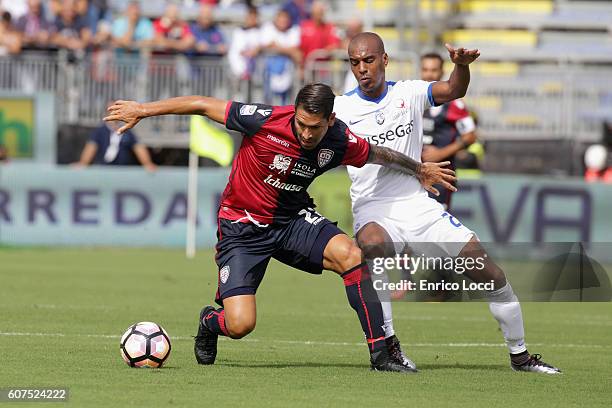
(266, 212)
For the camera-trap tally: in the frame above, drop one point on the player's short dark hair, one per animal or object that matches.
(317, 99)
(433, 55)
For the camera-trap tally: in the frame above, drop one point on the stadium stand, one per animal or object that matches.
(543, 74)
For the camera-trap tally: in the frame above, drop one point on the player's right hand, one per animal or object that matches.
(129, 112)
(462, 56)
(436, 173)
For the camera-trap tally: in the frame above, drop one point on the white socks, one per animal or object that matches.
(385, 302)
(504, 306)
(506, 309)
(388, 319)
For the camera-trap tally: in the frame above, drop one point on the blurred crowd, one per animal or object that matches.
(279, 47)
(269, 45)
(80, 25)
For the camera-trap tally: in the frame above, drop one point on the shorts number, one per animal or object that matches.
(454, 222)
(311, 216)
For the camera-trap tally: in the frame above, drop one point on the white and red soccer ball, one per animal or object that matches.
(145, 344)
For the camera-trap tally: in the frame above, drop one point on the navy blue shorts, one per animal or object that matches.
(244, 250)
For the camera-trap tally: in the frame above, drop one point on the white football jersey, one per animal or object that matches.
(394, 120)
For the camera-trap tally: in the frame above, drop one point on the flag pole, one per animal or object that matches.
(192, 205)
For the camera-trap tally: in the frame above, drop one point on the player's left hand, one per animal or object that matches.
(128, 112)
(462, 56)
(436, 173)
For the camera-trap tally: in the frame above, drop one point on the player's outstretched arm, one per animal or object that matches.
(457, 84)
(131, 112)
(427, 173)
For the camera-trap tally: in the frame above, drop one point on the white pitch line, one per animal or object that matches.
(316, 343)
(596, 320)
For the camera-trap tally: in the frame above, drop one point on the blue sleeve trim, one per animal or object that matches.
(430, 95)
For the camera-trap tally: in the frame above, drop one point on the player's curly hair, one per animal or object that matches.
(317, 99)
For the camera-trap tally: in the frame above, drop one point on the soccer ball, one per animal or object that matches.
(145, 344)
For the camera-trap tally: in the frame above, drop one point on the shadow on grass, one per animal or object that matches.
(457, 366)
(248, 364)
(364, 365)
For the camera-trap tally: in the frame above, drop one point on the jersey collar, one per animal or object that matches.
(369, 99)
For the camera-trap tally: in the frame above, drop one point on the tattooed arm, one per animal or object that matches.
(427, 173)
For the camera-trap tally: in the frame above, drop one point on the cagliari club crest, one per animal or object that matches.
(224, 273)
(324, 157)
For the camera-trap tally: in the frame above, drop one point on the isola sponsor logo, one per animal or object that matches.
(303, 170)
(391, 134)
(277, 183)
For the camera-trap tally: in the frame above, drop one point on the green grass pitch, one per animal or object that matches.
(62, 312)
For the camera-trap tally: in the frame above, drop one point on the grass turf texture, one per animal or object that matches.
(307, 349)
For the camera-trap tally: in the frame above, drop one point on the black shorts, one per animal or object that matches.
(244, 250)
(445, 196)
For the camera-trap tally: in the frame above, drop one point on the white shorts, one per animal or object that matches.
(419, 221)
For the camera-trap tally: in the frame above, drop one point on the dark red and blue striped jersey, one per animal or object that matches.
(444, 123)
(271, 173)
(441, 126)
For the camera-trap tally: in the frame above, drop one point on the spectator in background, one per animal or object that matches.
(70, 30)
(54, 8)
(10, 39)
(17, 8)
(298, 10)
(132, 30)
(281, 42)
(208, 38)
(97, 10)
(33, 26)
(316, 34)
(106, 146)
(245, 45)
(471, 160)
(596, 159)
(243, 50)
(353, 27)
(171, 33)
(104, 35)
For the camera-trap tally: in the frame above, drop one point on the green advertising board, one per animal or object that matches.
(17, 126)
(28, 126)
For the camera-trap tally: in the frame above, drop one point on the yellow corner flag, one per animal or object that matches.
(209, 141)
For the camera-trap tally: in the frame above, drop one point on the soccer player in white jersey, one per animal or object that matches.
(388, 208)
